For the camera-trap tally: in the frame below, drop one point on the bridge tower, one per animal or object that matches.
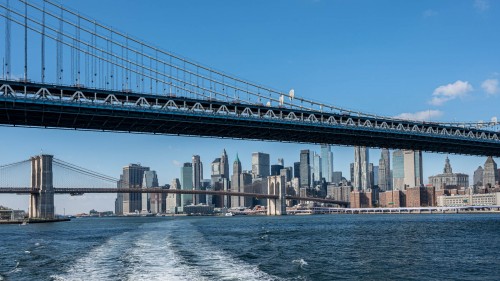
(42, 199)
(276, 185)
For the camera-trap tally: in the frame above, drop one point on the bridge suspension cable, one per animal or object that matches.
(114, 60)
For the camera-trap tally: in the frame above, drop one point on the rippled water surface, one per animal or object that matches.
(329, 247)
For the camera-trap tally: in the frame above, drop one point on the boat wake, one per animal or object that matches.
(168, 250)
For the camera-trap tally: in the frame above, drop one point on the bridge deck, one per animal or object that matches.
(90, 109)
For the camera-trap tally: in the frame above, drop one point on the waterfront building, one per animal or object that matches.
(484, 199)
(398, 170)
(305, 169)
(132, 178)
(392, 199)
(149, 180)
(384, 171)
(361, 168)
(420, 196)
(361, 199)
(478, 177)
(449, 179)
(490, 174)
(186, 183)
(260, 165)
(197, 176)
(327, 163)
(413, 168)
(173, 199)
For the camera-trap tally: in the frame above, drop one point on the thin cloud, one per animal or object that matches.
(481, 5)
(177, 163)
(445, 93)
(420, 115)
(490, 86)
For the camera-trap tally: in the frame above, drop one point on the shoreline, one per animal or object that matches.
(30, 221)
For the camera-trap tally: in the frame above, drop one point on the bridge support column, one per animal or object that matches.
(42, 199)
(276, 186)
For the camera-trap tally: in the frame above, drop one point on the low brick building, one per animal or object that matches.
(393, 198)
(361, 199)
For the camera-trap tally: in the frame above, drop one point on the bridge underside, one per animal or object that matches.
(40, 113)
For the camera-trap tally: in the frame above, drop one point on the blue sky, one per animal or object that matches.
(422, 59)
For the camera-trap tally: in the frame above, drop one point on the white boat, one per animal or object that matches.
(229, 214)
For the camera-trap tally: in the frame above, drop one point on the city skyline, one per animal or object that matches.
(326, 50)
(166, 176)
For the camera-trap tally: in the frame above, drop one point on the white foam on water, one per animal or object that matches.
(300, 262)
(101, 263)
(153, 258)
(217, 262)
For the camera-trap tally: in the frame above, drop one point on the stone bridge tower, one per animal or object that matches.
(42, 199)
(276, 186)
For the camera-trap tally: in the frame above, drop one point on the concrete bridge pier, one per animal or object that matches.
(42, 199)
(276, 186)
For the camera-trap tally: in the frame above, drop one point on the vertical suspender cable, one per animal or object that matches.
(59, 50)
(7, 41)
(77, 53)
(43, 44)
(25, 42)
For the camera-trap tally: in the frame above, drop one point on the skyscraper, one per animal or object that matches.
(361, 168)
(478, 176)
(260, 165)
(327, 162)
(119, 197)
(174, 199)
(305, 169)
(149, 180)
(384, 171)
(296, 170)
(317, 168)
(132, 178)
(490, 174)
(373, 175)
(398, 170)
(413, 174)
(186, 183)
(281, 162)
(236, 183)
(275, 169)
(224, 164)
(197, 177)
(337, 177)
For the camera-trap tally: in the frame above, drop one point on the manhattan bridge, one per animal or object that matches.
(64, 70)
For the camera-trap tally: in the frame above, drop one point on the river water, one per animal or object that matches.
(322, 247)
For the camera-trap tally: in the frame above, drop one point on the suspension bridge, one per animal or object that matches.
(68, 71)
(43, 176)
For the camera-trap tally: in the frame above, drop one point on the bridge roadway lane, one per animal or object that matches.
(119, 117)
